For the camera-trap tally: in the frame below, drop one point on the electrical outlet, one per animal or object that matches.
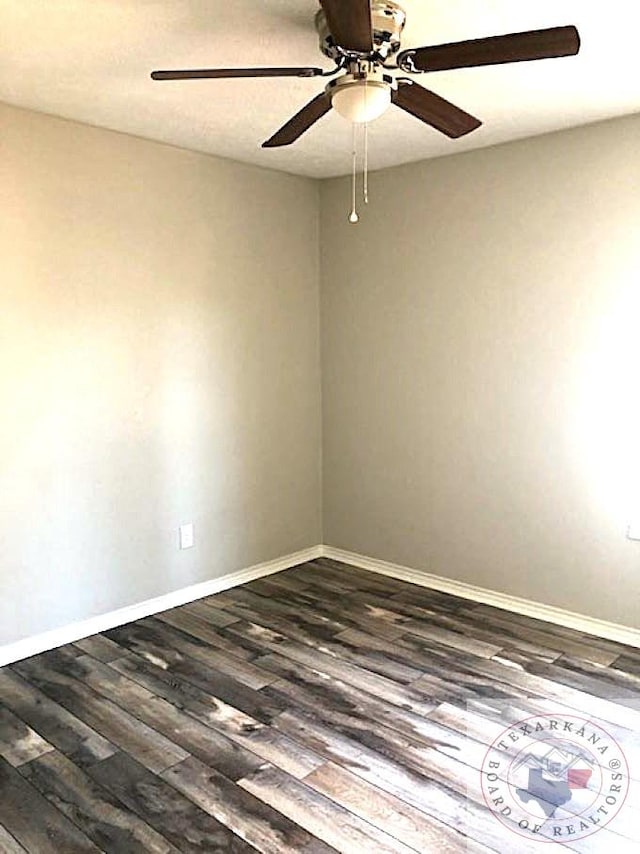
(186, 536)
(633, 531)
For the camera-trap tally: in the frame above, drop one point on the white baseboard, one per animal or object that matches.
(549, 613)
(85, 628)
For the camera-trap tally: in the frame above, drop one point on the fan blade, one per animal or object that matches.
(349, 23)
(434, 110)
(300, 123)
(496, 50)
(208, 73)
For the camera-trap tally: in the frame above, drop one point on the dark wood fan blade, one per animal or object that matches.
(300, 123)
(350, 23)
(496, 50)
(213, 73)
(434, 110)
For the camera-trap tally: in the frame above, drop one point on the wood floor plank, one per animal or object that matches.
(538, 632)
(410, 615)
(378, 616)
(98, 813)
(465, 670)
(325, 626)
(458, 766)
(361, 716)
(425, 622)
(72, 736)
(161, 706)
(347, 612)
(405, 650)
(320, 709)
(530, 705)
(360, 677)
(393, 745)
(203, 685)
(344, 575)
(448, 757)
(428, 597)
(245, 732)
(270, 588)
(598, 681)
(459, 779)
(321, 816)
(203, 629)
(252, 818)
(193, 623)
(604, 709)
(177, 818)
(8, 843)
(427, 795)
(200, 608)
(165, 646)
(18, 742)
(631, 651)
(153, 750)
(627, 664)
(99, 647)
(474, 724)
(299, 623)
(315, 572)
(612, 676)
(187, 730)
(211, 681)
(387, 812)
(38, 826)
(358, 574)
(298, 629)
(285, 580)
(554, 632)
(337, 584)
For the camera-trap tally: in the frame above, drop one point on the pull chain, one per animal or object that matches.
(353, 216)
(365, 170)
(366, 164)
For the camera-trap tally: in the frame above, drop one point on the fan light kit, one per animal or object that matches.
(362, 38)
(361, 97)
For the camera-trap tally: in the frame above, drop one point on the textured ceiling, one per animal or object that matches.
(90, 60)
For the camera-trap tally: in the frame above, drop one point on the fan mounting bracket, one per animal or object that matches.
(405, 63)
(387, 21)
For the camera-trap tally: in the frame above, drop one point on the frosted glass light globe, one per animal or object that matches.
(361, 101)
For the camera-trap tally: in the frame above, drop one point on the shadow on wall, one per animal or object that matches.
(607, 408)
(122, 421)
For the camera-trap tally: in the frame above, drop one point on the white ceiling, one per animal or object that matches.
(90, 60)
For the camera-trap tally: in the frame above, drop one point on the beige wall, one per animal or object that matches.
(481, 330)
(158, 364)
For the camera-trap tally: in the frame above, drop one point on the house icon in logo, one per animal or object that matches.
(552, 777)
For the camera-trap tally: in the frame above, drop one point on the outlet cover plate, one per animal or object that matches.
(186, 536)
(633, 531)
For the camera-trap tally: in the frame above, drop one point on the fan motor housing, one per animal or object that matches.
(388, 20)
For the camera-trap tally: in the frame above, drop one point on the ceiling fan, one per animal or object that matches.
(361, 37)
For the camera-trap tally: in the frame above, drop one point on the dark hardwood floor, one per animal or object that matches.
(320, 709)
